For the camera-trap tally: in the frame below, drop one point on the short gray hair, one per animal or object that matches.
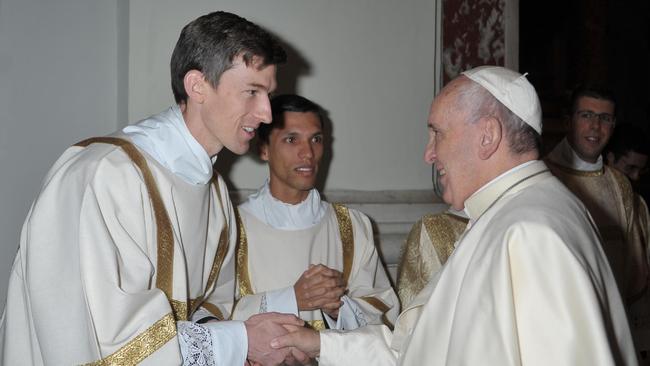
(477, 102)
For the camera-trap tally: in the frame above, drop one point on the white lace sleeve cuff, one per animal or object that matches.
(213, 344)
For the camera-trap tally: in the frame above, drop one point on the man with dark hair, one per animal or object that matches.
(301, 255)
(137, 231)
(527, 282)
(627, 151)
(578, 162)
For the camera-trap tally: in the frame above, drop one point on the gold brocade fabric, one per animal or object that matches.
(347, 242)
(143, 345)
(610, 200)
(140, 347)
(425, 252)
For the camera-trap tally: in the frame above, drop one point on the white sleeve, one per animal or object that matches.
(222, 343)
(281, 301)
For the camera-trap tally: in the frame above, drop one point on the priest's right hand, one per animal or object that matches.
(318, 286)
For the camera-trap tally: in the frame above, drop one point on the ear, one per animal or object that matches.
(611, 159)
(195, 85)
(264, 152)
(491, 135)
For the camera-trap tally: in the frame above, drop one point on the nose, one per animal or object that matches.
(263, 112)
(306, 151)
(430, 152)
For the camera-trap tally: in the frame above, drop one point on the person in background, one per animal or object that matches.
(578, 162)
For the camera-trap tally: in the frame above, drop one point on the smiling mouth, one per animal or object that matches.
(249, 129)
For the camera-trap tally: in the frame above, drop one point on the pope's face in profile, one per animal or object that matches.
(451, 146)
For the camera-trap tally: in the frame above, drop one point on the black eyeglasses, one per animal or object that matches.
(604, 118)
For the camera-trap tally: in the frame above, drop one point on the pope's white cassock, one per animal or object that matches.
(277, 243)
(123, 247)
(528, 284)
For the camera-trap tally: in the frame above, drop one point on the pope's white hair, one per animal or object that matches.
(477, 102)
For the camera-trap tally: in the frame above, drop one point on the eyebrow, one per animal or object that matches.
(259, 86)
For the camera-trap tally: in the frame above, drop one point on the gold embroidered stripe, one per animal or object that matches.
(223, 245)
(442, 232)
(143, 345)
(316, 325)
(241, 266)
(165, 239)
(626, 191)
(347, 238)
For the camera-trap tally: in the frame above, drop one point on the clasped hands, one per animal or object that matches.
(275, 338)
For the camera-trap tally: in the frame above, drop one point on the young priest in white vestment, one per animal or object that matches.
(297, 253)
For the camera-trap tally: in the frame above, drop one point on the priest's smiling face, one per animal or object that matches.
(451, 146)
(294, 153)
(231, 113)
(591, 126)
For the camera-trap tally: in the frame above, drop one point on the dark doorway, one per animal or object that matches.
(565, 42)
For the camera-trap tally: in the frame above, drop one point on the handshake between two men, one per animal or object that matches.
(275, 338)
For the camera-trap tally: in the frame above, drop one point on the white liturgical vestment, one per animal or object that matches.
(118, 248)
(528, 284)
(270, 259)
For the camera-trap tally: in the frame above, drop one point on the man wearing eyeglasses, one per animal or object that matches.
(577, 161)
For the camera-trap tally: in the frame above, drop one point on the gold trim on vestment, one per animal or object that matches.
(317, 325)
(379, 305)
(164, 234)
(627, 193)
(441, 234)
(347, 238)
(582, 173)
(241, 267)
(142, 346)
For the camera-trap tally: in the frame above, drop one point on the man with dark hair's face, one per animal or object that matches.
(631, 163)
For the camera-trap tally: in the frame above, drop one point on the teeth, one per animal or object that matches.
(248, 129)
(304, 169)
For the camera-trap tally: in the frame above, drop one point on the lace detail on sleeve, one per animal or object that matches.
(196, 344)
(263, 304)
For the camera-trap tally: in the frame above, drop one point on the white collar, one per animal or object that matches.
(167, 139)
(497, 179)
(564, 155)
(285, 216)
